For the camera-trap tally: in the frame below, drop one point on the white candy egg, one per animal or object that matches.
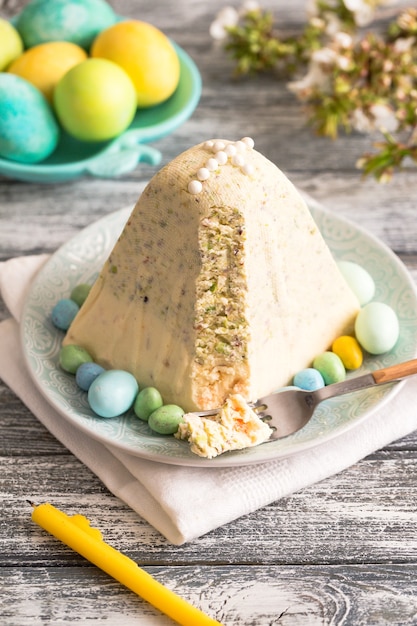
(377, 328)
(359, 280)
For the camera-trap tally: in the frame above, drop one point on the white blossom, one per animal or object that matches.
(364, 10)
(384, 118)
(228, 16)
(315, 77)
(404, 44)
(381, 117)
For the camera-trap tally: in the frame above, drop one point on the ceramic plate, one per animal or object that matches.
(73, 158)
(79, 261)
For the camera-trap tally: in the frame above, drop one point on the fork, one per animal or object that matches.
(290, 410)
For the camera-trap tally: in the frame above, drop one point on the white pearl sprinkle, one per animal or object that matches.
(218, 145)
(238, 160)
(195, 186)
(247, 169)
(212, 165)
(240, 145)
(230, 150)
(203, 173)
(209, 144)
(248, 141)
(221, 157)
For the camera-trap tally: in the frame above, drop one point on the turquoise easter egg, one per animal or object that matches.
(112, 393)
(28, 130)
(78, 21)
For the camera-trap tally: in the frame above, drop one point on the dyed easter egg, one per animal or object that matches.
(44, 65)
(11, 44)
(95, 100)
(112, 393)
(28, 130)
(78, 21)
(377, 328)
(359, 280)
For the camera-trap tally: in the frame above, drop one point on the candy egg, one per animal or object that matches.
(87, 373)
(349, 351)
(63, 313)
(72, 356)
(166, 419)
(309, 379)
(330, 367)
(112, 393)
(359, 280)
(147, 401)
(28, 130)
(80, 293)
(377, 328)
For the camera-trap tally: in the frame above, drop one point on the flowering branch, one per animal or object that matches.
(350, 81)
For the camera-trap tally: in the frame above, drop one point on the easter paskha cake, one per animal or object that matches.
(219, 284)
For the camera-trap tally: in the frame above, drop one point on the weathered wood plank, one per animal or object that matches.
(364, 514)
(234, 595)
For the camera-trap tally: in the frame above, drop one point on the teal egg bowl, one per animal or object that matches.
(74, 159)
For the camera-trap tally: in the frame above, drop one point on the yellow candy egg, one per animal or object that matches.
(349, 351)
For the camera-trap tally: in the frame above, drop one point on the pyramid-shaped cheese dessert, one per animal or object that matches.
(220, 282)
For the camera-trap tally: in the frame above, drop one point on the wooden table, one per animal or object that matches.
(343, 551)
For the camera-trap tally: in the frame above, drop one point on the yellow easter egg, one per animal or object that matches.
(44, 65)
(146, 55)
(11, 44)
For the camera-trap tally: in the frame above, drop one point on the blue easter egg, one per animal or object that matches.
(29, 132)
(112, 393)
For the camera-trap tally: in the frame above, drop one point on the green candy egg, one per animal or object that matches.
(29, 132)
(78, 21)
(72, 356)
(147, 401)
(80, 293)
(166, 419)
(330, 367)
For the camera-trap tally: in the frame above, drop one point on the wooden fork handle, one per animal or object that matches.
(395, 372)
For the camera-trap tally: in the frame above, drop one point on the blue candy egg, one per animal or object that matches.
(309, 379)
(28, 130)
(112, 393)
(63, 313)
(86, 374)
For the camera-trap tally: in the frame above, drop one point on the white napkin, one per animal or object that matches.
(183, 503)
